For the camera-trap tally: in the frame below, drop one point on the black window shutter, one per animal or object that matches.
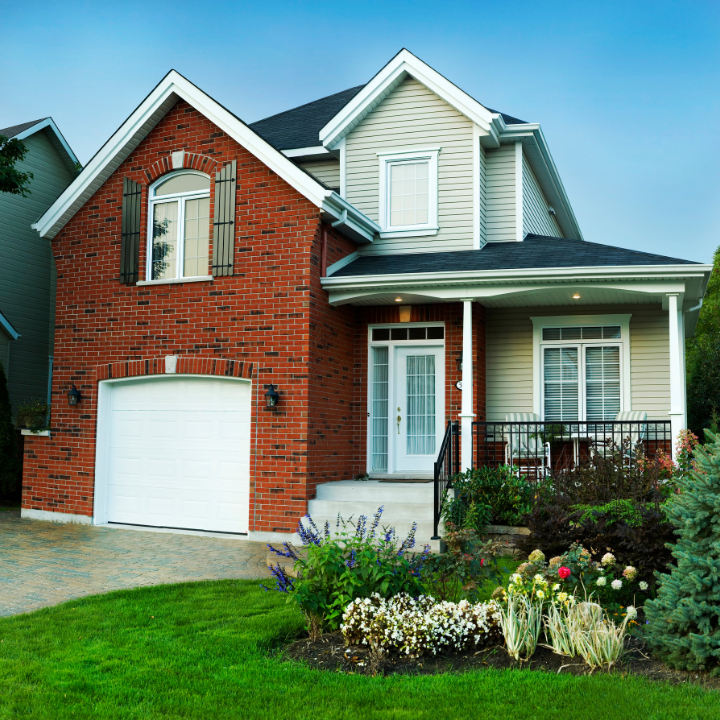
(224, 221)
(130, 233)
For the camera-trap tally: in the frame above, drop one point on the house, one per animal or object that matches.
(27, 273)
(255, 315)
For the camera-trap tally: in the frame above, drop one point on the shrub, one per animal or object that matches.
(32, 414)
(487, 495)
(353, 563)
(417, 626)
(684, 620)
(10, 467)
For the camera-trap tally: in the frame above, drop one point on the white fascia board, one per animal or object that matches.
(532, 132)
(50, 124)
(349, 219)
(9, 329)
(174, 84)
(316, 150)
(402, 65)
(632, 275)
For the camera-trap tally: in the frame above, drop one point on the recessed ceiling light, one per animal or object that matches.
(576, 296)
(398, 299)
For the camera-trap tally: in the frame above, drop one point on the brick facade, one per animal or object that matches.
(270, 322)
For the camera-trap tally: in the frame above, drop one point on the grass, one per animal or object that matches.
(213, 650)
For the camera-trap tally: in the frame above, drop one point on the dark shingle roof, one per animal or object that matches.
(300, 127)
(535, 252)
(13, 130)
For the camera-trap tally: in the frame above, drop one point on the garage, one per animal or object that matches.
(174, 452)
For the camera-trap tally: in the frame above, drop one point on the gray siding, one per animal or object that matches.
(26, 269)
(509, 357)
(326, 171)
(412, 116)
(500, 203)
(482, 193)
(536, 218)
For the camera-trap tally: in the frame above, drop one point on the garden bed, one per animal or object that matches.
(329, 653)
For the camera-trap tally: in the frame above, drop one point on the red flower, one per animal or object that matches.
(564, 572)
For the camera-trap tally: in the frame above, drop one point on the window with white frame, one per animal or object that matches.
(179, 226)
(582, 373)
(408, 191)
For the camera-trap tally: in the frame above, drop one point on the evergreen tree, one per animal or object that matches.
(684, 619)
(9, 460)
(703, 360)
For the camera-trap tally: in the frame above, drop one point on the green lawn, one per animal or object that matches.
(212, 650)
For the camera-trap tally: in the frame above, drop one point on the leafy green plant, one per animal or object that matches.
(354, 562)
(32, 414)
(520, 622)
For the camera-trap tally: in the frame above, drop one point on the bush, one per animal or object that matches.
(10, 465)
(353, 563)
(490, 495)
(32, 414)
(684, 620)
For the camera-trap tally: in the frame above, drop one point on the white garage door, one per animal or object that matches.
(178, 452)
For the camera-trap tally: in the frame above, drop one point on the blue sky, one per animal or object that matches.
(628, 93)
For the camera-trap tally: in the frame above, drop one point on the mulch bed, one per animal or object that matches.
(330, 653)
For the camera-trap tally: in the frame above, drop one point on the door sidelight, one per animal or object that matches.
(398, 421)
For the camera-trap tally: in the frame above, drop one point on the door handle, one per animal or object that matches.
(398, 423)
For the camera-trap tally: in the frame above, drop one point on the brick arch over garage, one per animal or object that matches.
(188, 365)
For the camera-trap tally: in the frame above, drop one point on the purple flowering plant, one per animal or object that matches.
(355, 561)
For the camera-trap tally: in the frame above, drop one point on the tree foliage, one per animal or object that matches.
(703, 360)
(9, 459)
(12, 180)
(684, 620)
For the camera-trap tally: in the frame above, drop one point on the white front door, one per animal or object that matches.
(417, 417)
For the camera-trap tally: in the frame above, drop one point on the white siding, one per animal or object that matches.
(500, 202)
(326, 171)
(536, 218)
(26, 282)
(509, 355)
(412, 116)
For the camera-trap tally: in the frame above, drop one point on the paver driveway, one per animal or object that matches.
(45, 563)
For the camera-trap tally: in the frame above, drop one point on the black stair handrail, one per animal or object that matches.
(446, 466)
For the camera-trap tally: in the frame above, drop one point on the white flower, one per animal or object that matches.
(515, 578)
(601, 581)
(556, 587)
(630, 572)
(616, 584)
(538, 578)
(643, 585)
(540, 594)
(608, 559)
(631, 612)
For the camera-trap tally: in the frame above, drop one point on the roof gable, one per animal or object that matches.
(25, 130)
(145, 117)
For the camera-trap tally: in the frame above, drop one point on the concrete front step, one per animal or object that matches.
(376, 492)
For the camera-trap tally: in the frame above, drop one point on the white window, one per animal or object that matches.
(408, 192)
(179, 218)
(582, 367)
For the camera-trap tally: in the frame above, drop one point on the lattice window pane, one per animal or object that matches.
(409, 193)
(197, 232)
(420, 404)
(164, 245)
(602, 383)
(561, 383)
(380, 409)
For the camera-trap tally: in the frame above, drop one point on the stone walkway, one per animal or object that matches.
(45, 563)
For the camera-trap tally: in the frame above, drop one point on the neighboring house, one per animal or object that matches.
(27, 270)
(363, 254)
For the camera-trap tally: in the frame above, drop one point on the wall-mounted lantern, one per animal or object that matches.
(459, 362)
(74, 395)
(271, 397)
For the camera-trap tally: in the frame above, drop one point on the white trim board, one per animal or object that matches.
(622, 319)
(7, 326)
(49, 123)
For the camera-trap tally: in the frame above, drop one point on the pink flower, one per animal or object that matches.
(564, 572)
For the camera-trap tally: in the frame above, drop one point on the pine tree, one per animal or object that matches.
(9, 460)
(684, 619)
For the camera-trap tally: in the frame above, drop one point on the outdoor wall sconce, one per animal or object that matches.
(459, 362)
(271, 397)
(74, 395)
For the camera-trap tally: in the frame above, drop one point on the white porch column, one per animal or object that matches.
(676, 333)
(466, 408)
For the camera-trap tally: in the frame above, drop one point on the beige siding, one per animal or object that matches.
(500, 212)
(326, 171)
(26, 282)
(482, 192)
(412, 116)
(536, 218)
(509, 357)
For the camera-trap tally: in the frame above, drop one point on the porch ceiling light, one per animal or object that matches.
(271, 397)
(398, 299)
(74, 395)
(576, 296)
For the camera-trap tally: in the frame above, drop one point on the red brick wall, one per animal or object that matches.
(263, 316)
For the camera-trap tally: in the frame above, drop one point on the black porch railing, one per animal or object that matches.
(540, 449)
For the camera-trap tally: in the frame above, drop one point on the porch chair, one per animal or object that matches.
(637, 431)
(523, 444)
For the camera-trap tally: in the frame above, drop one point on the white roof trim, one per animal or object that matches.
(404, 64)
(5, 325)
(315, 150)
(49, 123)
(171, 88)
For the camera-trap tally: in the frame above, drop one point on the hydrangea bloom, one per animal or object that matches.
(555, 562)
(631, 612)
(616, 584)
(630, 573)
(643, 585)
(536, 556)
(601, 581)
(608, 559)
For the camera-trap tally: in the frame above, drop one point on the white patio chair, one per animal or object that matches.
(635, 431)
(523, 443)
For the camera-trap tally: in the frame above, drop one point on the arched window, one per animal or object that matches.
(179, 226)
